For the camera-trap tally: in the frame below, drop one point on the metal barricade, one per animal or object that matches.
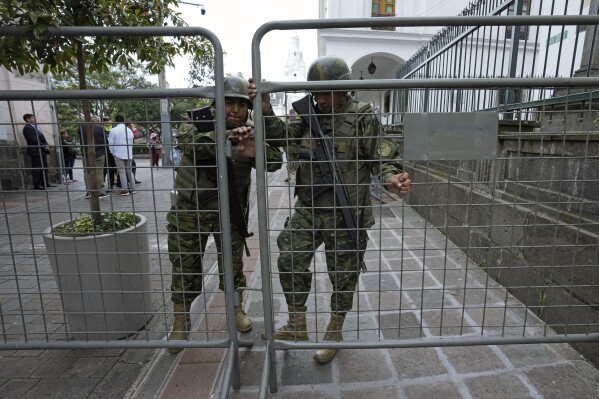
(113, 294)
(484, 227)
(484, 250)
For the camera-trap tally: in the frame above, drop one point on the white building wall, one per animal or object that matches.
(11, 118)
(560, 56)
(387, 49)
(358, 45)
(560, 53)
(355, 44)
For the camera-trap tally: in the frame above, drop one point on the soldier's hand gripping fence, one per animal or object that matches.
(324, 154)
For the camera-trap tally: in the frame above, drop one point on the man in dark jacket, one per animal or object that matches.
(94, 173)
(37, 149)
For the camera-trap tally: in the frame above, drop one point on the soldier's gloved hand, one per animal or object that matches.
(399, 184)
(241, 133)
(246, 149)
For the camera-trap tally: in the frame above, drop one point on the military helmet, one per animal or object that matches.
(237, 87)
(328, 68)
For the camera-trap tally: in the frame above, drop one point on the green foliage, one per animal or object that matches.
(40, 49)
(109, 222)
(201, 70)
(141, 147)
(56, 54)
(70, 114)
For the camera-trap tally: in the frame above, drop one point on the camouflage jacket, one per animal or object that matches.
(196, 180)
(361, 150)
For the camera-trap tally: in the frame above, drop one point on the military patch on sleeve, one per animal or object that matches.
(384, 149)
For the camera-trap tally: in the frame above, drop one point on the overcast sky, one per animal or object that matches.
(235, 22)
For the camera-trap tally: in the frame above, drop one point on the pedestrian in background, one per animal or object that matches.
(110, 171)
(155, 149)
(69, 155)
(37, 150)
(176, 152)
(136, 135)
(120, 143)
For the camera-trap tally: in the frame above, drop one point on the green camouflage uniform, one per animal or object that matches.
(360, 151)
(195, 215)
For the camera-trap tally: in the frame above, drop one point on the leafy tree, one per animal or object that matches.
(144, 112)
(92, 54)
(201, 71)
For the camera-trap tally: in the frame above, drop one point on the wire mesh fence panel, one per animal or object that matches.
(496, 241)
(66, 279)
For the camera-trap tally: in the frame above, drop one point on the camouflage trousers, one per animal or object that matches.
(189, 230)
(304, 232)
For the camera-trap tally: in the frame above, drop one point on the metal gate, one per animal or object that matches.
(91, 299)
(493, 217)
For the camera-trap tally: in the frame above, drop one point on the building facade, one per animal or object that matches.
(380, 53)
(14, 162)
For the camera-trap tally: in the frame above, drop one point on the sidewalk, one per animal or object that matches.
(510, 371)
(63, 373)
(486, 372)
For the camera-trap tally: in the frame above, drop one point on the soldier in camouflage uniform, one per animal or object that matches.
(360, 151)
(195, 216)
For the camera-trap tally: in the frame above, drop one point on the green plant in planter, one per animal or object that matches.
(109, 222)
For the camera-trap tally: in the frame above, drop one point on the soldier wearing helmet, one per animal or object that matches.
(195, 216)
(360, 150)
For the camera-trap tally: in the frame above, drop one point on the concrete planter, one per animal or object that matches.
(103, 281)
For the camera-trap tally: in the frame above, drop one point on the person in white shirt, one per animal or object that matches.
(120, 142)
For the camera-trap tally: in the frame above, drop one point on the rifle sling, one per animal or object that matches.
(303, 107)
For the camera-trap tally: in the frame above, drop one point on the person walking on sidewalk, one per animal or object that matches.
(195, 215)
(358, 149)
(120, 142)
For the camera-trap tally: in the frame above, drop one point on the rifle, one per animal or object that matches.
(238, 216)
(331, 176)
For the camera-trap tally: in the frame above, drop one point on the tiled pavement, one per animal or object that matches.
(426, 278)
(64, 373)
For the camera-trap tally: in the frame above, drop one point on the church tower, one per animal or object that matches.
(295, 68)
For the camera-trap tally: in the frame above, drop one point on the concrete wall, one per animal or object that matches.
(529, 218)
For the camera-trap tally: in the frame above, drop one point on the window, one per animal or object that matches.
(383, 8)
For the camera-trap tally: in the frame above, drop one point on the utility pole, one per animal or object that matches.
(165, 114)
(165, 123)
